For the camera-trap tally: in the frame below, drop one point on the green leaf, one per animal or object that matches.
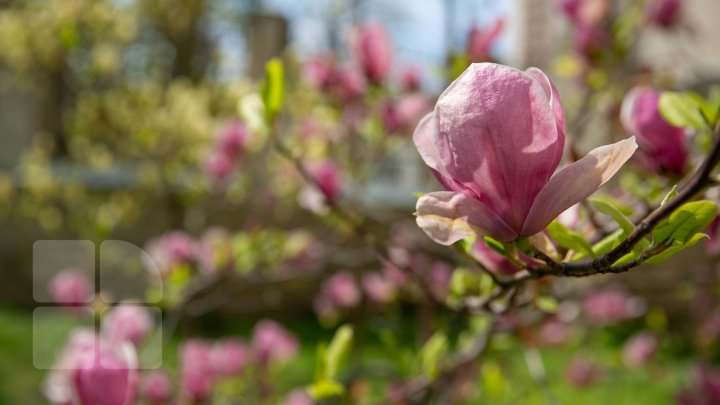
(669, 196)
(607, 243)
(676, 247)
(337, 350)
(273, 90)
(495, 245)
(685, 221)
(547, 304)
(620, 205)
(432, 354)
(610, 210)
(682, 110)
(325, 389)
(569, 239)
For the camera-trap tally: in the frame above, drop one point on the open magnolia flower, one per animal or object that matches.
(494, 141)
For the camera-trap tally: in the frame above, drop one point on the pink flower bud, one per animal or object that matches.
(492, 260)
(439, 278)
(639, 349)
(590, 40)
(494, 142)
(71, 287)
(662, 145)
(219, 165)
(410, 79)
(156, 388)
(196, 374)
(327, 177)
(347, 85)
(127, 322)
(229, 357)
(372, 50)
(271, 342)
(480, 40)
(571, 9)
(106, 376)
(170, 250)
(402, 116)
(232, 138)
(342, 290)
(554, 333)
(664, 13)
(318, 71)
(378, 288)
(706, 389)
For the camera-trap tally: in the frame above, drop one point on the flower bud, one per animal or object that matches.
(106, 376)
(156, 388)
(127, 322)
(372, 50)
(639, 349)
(229, 357)
(271, 342)
(481, 39)
(71, 287)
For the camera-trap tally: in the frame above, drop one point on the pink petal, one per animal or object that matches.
(498, 136)
(577, 181)
(447, 217)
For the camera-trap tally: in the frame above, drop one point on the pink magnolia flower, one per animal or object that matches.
(639, 349)
(706, 389)
(410, 79)
(611, 306)
(106, 375)
(196, 374)
(492, 260)
(494, 141)
(328, 178)
(271, 342)
(404, 114)
(219, 165)
(170, 249)
(571, 9)
(156, 388)
(481, 39)
(232, 137)
(229, 357)
(581, 372)
(590, 40)
(298, 396)
(664, 13)
(71, 287)
(318, 71)
(58, 386)
(342, 289)
(378, 288)
(554, 332)
(347, 85)
(372, 50)
(662, 145)
(127, 322)
(439, 278)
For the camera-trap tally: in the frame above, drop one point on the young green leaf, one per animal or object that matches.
(337, 350)
(607, 243)
(669, 196)
(569, 239)
(682, 110)
(676, 247)
(614, 213)
(432, 354)
(273, 90)
(686, 221)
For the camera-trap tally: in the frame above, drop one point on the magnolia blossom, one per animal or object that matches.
(229, 357)
(156, 388)
(378, 288)
(71, 287)
(196, 373)
(325, 188)
(706, 389)
(170, 250)
(403, 115)
(664, 13)
(271, 342)
(481, 39)
(494, 141)
(342, 289)
(298, 396)
(127, 322)
(639, 349)
(439, 278)
(611, 306)
(231, 140)
(372, 50)
(492, 260)
(554, 332)
(582, 372)
(410, 79)
(662, 145)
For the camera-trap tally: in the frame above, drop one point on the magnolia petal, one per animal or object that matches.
(544, 244)
(555, 103)
(577, 181)
(447, 217)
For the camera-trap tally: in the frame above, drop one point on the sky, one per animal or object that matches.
(417, 27)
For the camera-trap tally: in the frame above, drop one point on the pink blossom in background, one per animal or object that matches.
(378, 288)
(214, 250)
(581, 372)
(298, 396)
(318, 71)
(372, 51)
(611, 306)
(410, 79)
(439, 278)
(347, 85)
(590, 40)
(229, 357)
(232, 137)
(58, 386)
(127, 322)
(219, 165)
(404, 114)
(712, 245)
(554, 332)
(327, 176)
(157, 388)
(71, 287)
(342, 289)
(494, 142)
(196, 374)
(394, 274)
(272, 342)
(481, 39)
(171, 249)
(571, 9)
(662, 145)
(705, 389)
(106, 376)
(665, 13)
(492, 260)
(639, 349)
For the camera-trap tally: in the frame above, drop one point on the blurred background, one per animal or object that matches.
(113, 115)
